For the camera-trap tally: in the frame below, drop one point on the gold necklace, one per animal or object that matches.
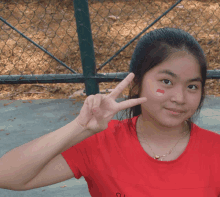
(159, 157)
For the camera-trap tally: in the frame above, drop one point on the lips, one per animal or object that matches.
(175, 110)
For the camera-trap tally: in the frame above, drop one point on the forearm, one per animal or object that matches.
(23, 163)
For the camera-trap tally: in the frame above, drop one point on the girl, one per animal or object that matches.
(157, 151)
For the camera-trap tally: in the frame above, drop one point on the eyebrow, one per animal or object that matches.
(175, 76)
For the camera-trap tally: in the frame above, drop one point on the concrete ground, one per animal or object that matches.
(23, 121)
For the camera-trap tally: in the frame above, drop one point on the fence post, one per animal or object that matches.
(81, 9)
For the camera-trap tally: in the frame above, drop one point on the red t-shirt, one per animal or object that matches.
(114, 164)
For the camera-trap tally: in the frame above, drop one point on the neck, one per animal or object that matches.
(147, 129)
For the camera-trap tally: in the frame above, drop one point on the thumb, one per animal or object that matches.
(97, 113)
(99, 118)
(95, 110)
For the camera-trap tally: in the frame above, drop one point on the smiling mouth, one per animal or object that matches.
(174, 112)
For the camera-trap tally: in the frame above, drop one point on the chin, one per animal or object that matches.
(171, 123)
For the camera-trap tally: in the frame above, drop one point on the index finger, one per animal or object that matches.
(122, 85)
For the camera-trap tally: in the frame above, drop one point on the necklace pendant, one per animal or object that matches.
(157, 157)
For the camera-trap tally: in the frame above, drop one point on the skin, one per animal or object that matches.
(160, 92)
(158, 124)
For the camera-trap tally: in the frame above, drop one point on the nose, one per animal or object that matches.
(178, 95)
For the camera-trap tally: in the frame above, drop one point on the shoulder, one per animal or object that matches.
(125, 123)
(206, 131)
(121, 128)
(207, 136)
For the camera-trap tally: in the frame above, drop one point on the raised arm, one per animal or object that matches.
(27, 165)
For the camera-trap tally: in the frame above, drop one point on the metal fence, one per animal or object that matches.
(81, 37)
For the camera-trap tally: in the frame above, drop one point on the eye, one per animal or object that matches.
(195, 86)
(166, 80)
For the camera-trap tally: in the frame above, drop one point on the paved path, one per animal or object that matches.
(23, 122)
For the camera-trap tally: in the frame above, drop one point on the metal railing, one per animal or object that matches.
(58, 27)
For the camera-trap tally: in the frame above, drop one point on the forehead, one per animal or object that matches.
(184, 66)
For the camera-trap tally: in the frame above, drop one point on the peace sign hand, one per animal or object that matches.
(99, 109)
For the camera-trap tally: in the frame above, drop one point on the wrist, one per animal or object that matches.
(83, 127)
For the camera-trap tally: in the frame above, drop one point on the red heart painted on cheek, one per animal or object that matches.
(161, 91)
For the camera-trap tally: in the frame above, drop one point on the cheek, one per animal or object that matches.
(160, 92)
(155, 90)
(194, 101)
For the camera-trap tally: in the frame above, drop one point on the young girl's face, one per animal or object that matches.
(172, 85)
